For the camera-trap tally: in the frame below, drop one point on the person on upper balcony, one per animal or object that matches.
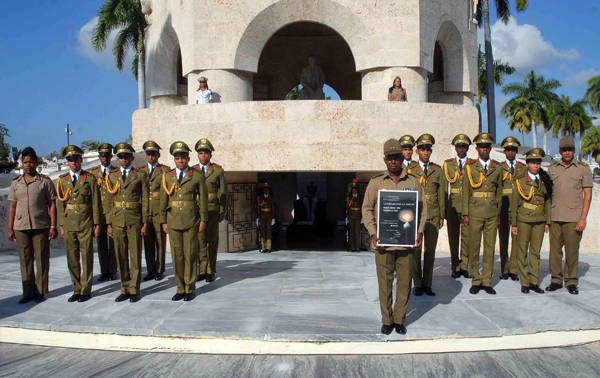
(203, 94)
(396, 92)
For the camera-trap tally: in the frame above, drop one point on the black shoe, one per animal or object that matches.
(84, 297)
(159, 277)
(488, 289)
(504, 276)
(465, 273)
(524, 289)
(536, 288)
(26, 300)
(474, 289)
(148, 277)
(39, 298)
(573, 289)
(401, 329)
(429, 291)
(178, 297)
(554, 286)
(103, 277)
(456, 274)
(135, 297)
(113, 277)
(73, 298)
(267, 251)
(513, 276)
(122, 297)
(418, 291)
(211, 277)
(189, 296)
(200, 277)
(387, 329)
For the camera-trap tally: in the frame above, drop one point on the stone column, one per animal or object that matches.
(376, 83)
(227, 85)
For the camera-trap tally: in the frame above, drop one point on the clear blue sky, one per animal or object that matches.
(51, 77)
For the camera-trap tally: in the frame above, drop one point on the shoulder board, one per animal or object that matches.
(413, 165)
(195, 166)
(196, 169)
(16, 178)
(215, 165)
(522, 175)
(496, 162)
(519, 164)
(555, 163)
(436, 165)
(142, 167)
(471, 161)
(582, 163)
(64, 175)
(449, 160)
(164, 167)
(45, 176)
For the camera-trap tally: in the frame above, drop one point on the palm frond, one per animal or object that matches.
(503, 10)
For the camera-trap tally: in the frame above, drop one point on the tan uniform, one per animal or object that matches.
(265, 216)
(79, 210)
(354, 211)
(508, 265)
(106, 245)
(567, 207)
(390, 260)
(32, 227)
(458, 234)
(397, 94)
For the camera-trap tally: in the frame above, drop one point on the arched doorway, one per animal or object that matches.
(287, 52)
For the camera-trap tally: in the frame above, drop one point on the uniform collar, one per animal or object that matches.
(76, 174)
(151, 167)
(105, 169)
(532, 176)
(185, 171)
(407, 162)
(485, 163)
(513, 162)
(561, 162)
(127, 170)
(423, 164)
(463, 160)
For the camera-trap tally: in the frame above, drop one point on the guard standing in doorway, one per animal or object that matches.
(354, 202)
(266, 217)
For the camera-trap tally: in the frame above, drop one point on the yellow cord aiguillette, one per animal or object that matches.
(112, 190)
(60, 192)
(456, 175)
(481, 178)
(506, 176)
(531, 191)
(164, 181)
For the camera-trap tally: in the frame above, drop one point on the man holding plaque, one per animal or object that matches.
(393, 259)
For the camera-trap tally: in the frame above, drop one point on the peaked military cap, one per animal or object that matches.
(151, 146)
(510, 142)
(124, 148)
(204, 144)
(202, 78)
(72, 150)
(105, 148)
(461, 139)
(566, 142)
(407, 140)
(179, 147)
(535, 153)
(392, 147)
(484, 138)
(425, 139)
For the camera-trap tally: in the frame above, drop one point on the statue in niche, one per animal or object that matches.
(310, 217)
(312, 80)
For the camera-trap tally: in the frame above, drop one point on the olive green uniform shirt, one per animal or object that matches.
(435, 186)
(473, 204)
(154, 187)
(176, 209)
(567, 195)
(101, 179)
(216, 183)
(134, 189)
(82, 209)
(454, 176)
(535, 209)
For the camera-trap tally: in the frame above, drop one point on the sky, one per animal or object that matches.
(51, 76)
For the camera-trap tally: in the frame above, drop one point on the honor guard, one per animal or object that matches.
(432, 178)
(391, 261)
(106, 245)
(216, 183)
(79, 210)
(512, 168)
(354, 202)
(482, 201)
(184, 212)
(266, 217)
(155, 240)
(458, 234)
(530, 218)
(128, 220)
(571, 199)
(408, 143)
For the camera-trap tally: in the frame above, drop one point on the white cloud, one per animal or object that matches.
(581, 78)
(524, 47)
(104, 58)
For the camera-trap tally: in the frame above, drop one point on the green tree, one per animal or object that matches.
(592, 94)
(539, 91)
(52, 155)
(125, 17)
(520, 113)
(4, 147)
(571, 118)
(90, 145)
(16, 153)
(294, 93)
(591, 143)
(503, 13)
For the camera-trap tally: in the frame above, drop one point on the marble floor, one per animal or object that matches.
(291, 295)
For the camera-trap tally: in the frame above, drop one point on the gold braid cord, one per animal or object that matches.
(456, 175)
(112, 190)
(506, 176)
(422, 180)
(481, 178)
(99, 182)
(60, 192)
(173, 187)
(531, 191)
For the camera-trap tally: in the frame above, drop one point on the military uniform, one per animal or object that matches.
(106, 245)
(354, 211)
(482, 201)
(216, 183)
(432, 178)
(508, 266)
(79, 211)
(530, 213)
(392, 260)
(567, 209)
(155, 240)
(458, 233)
(183, 204)
(407, 141)
(129, 197)
(266, 214)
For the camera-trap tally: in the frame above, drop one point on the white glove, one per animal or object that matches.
(257, 224)
(272, 222)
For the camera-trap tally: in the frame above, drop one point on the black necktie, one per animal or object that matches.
(180, 176)
(485, 168)
(426, 168)
(74, 180)
(151, 172)
(537, 181)
(203, 170)
(460, 166)
(124, 175)
(512, 167)
(105, 172)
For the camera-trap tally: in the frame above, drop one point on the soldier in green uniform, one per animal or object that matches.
(79, 210)
(106, 245)
(266, 217)
(408, 143)
(571, 199)
(155, 240)
(458, 237)
(354, 202)
(530, 218)
(391, 261)
(216, 183)
(482, 201)
(128, 219)
(512, 168)
(434, 184)
(184, 212)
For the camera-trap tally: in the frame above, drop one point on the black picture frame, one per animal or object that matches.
(397, 218)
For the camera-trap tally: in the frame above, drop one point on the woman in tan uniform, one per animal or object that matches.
(32, 223)
(397, 93)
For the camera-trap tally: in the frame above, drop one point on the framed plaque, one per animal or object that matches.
(397, 217)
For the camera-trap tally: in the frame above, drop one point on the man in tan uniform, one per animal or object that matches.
(79, 212)
(571, 199)
(392, 260)
(216, 183)
(354, 202)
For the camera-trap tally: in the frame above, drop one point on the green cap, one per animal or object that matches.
(425, 139)
(534, 153)
(105, 148)
(407, 140)
(179, 147)
(510, 142)
(124, 148)
(566, 142)
(151, 146)
(204, 144)
(72, 150)
(461, 139)
(392, 147)
(484, 138)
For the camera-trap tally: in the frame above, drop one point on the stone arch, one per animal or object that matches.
(284, 12)
(163, 71)
(450, 42)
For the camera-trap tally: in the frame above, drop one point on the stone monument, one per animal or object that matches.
(312, 80)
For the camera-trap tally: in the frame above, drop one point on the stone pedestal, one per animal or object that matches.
(377, 82)
(226, 85)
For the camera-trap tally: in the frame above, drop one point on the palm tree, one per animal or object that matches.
(521, 115)
(571, 118)
(592, 94)
(540, 92)
(503, 13)
(126, 17)
(501, 69)
(591, 143)
(90, 145)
